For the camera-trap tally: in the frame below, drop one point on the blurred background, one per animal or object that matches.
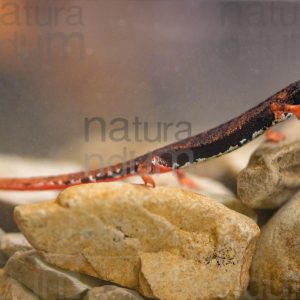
(201, 62)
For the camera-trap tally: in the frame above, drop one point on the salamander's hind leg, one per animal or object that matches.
(280, 109)
(184, 180)
(294, 109)
(274, 136)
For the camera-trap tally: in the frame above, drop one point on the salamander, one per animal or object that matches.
(198, 148)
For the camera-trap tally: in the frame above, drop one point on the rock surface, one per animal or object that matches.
(13, 242)
(272, 175)
(111, 292)
(11, 289)
(204, 186)
(47, 281)
(165, 242)
(290, 128)
(275, 271)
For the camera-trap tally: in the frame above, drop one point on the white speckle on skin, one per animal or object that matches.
(257, 133)
(284, 117)
(92, 179)
(186, 164)
(175, 165)
(243, 141)
(201, 159)
(231, 148)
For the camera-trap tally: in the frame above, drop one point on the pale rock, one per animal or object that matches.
(13, 242)
(290, 128)
(272, 175)
(47, 281)
(275, 271)
(11, 289)
(2, 232)
(247, 296)
(238, 206)
(204, 186)
(165, 242)
(16, 166)
(111, 292)
(3, 260)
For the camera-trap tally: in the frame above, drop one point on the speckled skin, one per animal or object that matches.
(203, 146)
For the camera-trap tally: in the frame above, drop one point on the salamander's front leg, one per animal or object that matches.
(279, 109)
(143, 170)
(154, 167)
(148, 180)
